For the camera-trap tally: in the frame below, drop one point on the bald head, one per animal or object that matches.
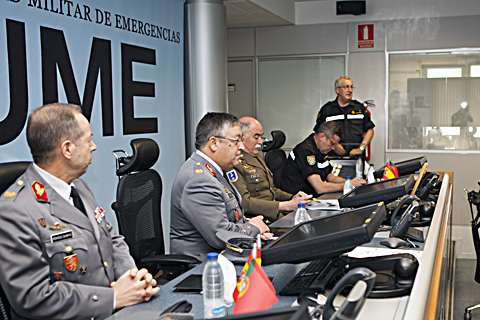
(253, 132)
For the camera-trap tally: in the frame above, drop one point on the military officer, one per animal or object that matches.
(60, 259)
(308, 167)
(203, 201)
(254, 181)
(351, 116)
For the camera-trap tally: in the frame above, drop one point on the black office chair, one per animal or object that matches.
(474, 199)
(275, 157)
(137, 208)
(9, 173)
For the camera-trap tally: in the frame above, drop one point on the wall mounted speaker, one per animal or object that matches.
(351, 7)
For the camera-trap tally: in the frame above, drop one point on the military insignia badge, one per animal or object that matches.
(71, 262)
(237, 215)
(83, 269)
(198, 171)
(232, 175)
(325, 158)
(57, 275)
(257, 189)
(39, 191)
(99, 214)
(210, 170)
(58, 226)
(42, 222)
(9, 194)
(311, 160)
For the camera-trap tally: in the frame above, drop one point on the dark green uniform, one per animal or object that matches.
(254, 182)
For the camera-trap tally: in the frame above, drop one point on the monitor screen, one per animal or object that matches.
(291, 313)
(387, 191)
(325, 237)
(405, 167)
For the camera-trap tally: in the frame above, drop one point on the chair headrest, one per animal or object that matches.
(145, 155)
(10, 171)
(276, 143)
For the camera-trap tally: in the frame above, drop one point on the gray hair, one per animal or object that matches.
(48, 127)
(213, 124)
(330, 128)
(337, 82)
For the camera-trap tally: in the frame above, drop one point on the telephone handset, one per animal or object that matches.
(425, 187)
(401, 227)
(362, 280)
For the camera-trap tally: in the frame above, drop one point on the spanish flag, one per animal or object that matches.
(254, 291)
(391, 171)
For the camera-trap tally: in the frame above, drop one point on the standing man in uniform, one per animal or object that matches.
(351, 116)
(60, 259)
(308, 167)
(254, 181)
(203, 200)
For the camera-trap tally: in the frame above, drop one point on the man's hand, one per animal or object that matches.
(266, 235)
(258, 222)
(300, 197)
(134, 286)
(358, 181)
(355, 152)
(339, 150)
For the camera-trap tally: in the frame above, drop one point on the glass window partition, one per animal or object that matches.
(291, 91)
(434, 101)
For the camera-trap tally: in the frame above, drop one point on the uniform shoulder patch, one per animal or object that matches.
(232, 175)
(311, 160)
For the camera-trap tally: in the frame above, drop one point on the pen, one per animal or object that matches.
(314, 199)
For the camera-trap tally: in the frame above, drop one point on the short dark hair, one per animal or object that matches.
(48, 126)
(330, 128)
(213, 124)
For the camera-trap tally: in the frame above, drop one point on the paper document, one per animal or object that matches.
(323, 205)
(364, 252)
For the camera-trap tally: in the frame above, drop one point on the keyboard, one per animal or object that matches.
(314, 278)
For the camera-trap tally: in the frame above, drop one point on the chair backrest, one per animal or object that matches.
(9, 172)
(138, 203)
(275, 161)
(275, 157)
(476, 244)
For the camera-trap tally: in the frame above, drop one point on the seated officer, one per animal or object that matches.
(308, 168)
(254, 181)
(203, 201)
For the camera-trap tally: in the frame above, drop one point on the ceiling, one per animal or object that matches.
(245, 14)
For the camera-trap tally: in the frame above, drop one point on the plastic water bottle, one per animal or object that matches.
(301, 215)
(370, 177)
(359, 167)
(212, 280)
(347, 185)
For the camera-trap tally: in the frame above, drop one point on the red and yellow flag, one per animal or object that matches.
(391, 171)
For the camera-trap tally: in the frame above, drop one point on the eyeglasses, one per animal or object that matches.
(347, 87)
(236, 141)
(331, 141)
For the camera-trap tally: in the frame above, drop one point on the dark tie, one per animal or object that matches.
(77, 201)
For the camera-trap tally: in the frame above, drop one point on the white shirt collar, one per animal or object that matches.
(60, 186)
(203, 155)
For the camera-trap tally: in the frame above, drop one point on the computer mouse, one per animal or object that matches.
(393, 242)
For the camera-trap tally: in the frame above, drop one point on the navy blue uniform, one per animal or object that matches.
(304, 160)
(352, 119)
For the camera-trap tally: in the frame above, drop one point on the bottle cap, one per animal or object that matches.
(371, 165)
(347, 177)
(301, 205)
(212, 256)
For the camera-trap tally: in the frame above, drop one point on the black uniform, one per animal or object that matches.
(305, 160)
(352, 119)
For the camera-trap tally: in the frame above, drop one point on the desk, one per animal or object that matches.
(419, 305)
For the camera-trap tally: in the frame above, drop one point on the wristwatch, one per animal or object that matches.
(362, 148)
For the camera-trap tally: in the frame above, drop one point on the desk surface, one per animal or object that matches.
(392, 308)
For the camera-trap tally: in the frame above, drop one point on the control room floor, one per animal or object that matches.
(467, 291)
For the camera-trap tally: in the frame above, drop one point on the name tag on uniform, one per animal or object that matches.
(323, 164)
(61, 236)
(255, 176)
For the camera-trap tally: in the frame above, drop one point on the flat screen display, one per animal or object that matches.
(325, 237)
(387, 191)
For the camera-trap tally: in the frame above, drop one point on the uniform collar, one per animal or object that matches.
(213, 163)
(60, 186)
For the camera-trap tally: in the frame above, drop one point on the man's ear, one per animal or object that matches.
(66, 148)
(337, 90)
(212, 144)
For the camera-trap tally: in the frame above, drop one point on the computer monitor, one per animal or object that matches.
(325, 237)
(404, 167)
(387, 190)
(290, 313)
